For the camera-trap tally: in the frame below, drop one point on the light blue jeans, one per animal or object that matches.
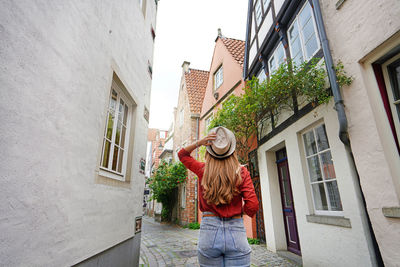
(223, 242)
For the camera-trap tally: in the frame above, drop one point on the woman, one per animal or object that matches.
(224, 186)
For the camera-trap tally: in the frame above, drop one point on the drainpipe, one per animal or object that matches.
(197, 157)
(339, 107)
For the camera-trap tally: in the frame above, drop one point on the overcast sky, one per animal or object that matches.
(186, 31)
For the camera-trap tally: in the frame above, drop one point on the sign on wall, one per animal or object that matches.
(138, 224)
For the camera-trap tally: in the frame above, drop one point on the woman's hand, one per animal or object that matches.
(206, 141)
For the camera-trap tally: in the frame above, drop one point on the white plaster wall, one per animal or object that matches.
(358, 34)
(321, 245)
(57, 63)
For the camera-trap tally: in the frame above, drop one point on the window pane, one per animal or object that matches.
(314, 169)
(308, 31)
(311, 47)
(110, 124)
(121, 110)
(261, 76)
(334, 196)
(280, 55)
(285, 187)
(113, 99)
(125, 114)
(258, 12)
(118, 133)
(320, 202)
(266, 3)
(327, 165)
(121, 155)
(309, 143)
(322, 139)
(123, 136)
(305, 15)
(106, 154)
(115, 158)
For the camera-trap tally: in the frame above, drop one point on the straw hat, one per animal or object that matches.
(224, 144)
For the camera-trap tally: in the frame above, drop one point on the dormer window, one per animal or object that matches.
(218, 78)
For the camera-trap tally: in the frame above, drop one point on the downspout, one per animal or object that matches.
(339, 107)
(197, 158)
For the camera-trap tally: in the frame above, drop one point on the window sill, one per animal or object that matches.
(329, 220)
(391, 212)
(111, 175)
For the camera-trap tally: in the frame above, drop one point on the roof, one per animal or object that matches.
(196, 82)
(235, 47)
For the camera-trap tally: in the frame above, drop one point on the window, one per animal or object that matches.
(181, 117)
(394, 93)
(218, 78)
(163, 134)
(303, 38)
(266, 4)
(276, 59)
(208, 122)
(115, 141)
(261, 75)
(258, 12)
(321, 172)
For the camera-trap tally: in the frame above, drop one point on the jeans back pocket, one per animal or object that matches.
(239, 238)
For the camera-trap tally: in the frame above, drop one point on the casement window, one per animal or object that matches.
(261, 76)
(303, 37)
(277, 58)
(321, 171)
(208, 122)
(393, 92)
(258, 12)
(218, 78)
(181, 117)
(116, 135)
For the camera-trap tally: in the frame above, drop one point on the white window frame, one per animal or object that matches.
(218, 77)
(273, 55)
(108, 171)
(328, 212)
(302, 44)
(261, 76)
(266, 5)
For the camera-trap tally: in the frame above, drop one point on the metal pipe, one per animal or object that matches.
(195, 185)
(339, 106)
(343, 134)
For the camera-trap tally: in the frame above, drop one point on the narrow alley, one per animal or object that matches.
(170, 245)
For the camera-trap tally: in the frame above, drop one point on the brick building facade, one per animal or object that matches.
(186, 126)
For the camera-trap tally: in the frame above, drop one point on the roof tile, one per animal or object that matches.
(235, 47)
(196, 82)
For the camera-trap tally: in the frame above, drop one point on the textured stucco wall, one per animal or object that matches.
(321, 244)
(357, 32)
(57, 63)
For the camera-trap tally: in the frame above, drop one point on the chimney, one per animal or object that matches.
(219, 32)
(185, 66)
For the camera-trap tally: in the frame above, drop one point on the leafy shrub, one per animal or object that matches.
(253, 241)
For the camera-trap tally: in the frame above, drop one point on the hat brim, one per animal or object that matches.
(231, 148)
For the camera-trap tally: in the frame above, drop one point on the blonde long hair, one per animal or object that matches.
(221, 179)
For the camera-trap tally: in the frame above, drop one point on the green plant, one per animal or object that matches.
(193, 226)
(164, 182)
(287, 88)
(253, 241)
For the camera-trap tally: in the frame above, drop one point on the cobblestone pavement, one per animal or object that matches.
(170, 245)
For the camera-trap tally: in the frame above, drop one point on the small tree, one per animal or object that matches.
(288, 87)
(166, 178)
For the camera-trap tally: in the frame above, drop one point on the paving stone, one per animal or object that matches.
(167, 245)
